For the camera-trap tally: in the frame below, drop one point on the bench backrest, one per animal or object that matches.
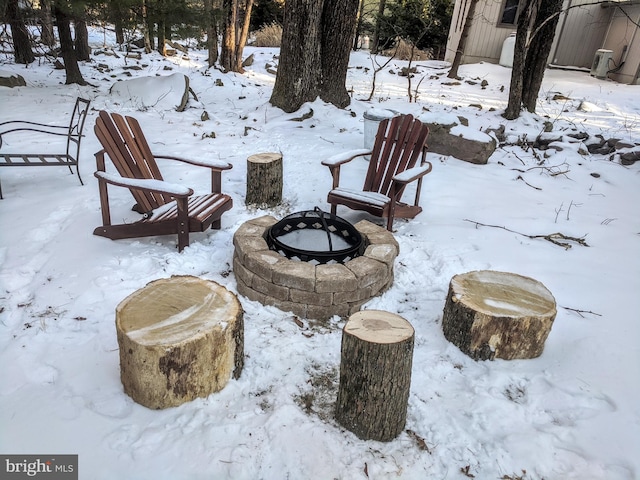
(76, 125)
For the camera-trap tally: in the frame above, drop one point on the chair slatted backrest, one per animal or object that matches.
(124, 142)
(399, 143)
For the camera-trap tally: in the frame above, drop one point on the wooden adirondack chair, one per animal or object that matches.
(399, 143)
(167, 208)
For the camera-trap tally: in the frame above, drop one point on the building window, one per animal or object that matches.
(509, 13)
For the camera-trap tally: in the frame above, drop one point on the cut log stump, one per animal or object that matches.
(180, 338)
(375, 375)
(492, 314)
(264, 179)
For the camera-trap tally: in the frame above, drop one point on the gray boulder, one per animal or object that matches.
(449, 136)
(10, 79)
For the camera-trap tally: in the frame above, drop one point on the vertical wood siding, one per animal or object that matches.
(582, 29)
(485, 38)
(624, 32)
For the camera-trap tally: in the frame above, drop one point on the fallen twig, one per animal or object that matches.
(552, 170)
(580, 312)
(519, 177)
(555, 238)
(521, 161)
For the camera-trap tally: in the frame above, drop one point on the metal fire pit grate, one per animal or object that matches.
(315, 236)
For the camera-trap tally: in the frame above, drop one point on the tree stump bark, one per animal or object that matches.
(264, 179)
(180, 338)
(498, 315)
(375, 375)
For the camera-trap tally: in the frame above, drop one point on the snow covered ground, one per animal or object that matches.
(572, 413)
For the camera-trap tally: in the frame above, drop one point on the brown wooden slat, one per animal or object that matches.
(389, 160)
(200, 208)
(136, 160)
(145, 156)
(141, 153)
(141, 141)
(410, 150)
(214, 211)
(401, 141)
(113, 144)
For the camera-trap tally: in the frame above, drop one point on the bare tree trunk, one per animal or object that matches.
(514, 106)
(21, 43)
(358, 26)
(241, 41)
(162, 27)
(235, 33)
(227, 52)
(299, 70)
(116, 13)
(538, 51)
(338, 27)
(119, 32)
(212, 33)
(462, 43)
(375, 47)
(162, 39)
(81, 43)
(48, 37)
(145, 26)
(66, 47)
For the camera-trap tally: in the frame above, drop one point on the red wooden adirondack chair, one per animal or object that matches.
(167, 208)
(399, 143)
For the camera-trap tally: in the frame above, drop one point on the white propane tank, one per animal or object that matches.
(506, 57)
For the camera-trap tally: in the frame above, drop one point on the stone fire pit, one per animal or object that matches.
(308, 290)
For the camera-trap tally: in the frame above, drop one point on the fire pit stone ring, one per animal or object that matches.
(312, 291)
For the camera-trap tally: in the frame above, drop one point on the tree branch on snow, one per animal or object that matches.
(519, 177)
(552, 170)
(557, 238)
(580, 312)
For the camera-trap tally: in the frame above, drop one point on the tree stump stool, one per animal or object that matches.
(498, 315)
(264, 179)
(375, 375)
(180, 338)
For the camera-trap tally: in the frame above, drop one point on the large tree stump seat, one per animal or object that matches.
(180, 338)
(375, 374)
(491, 314)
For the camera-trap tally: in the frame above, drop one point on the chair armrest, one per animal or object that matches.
(150, 185)
(212, 164)
(29, 129)
(412, 174)
(9, 122)
(344, 157)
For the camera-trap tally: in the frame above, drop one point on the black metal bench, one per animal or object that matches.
(73, 132)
